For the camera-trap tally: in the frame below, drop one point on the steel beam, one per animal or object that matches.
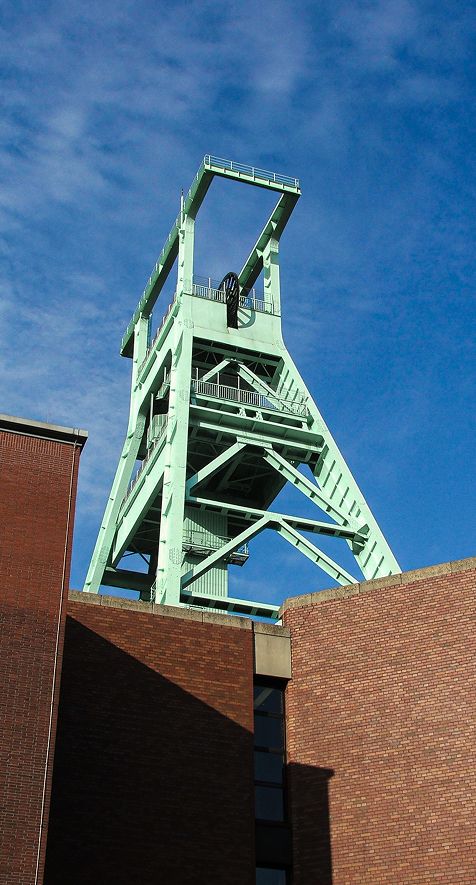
(127, 580)
(260, 386)
(231, 604)
(315, 554)
(175, 468)
(216, 369)
(272, 230)
(215, 465)
(232, 424)
(135, 507)
(135, 432)
(206, 564)
(306, 486)
(297, 522)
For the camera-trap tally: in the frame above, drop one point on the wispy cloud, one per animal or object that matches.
(107, 111)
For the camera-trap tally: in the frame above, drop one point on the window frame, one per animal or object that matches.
(279, 685)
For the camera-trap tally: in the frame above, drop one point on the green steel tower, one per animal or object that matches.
(220, 420)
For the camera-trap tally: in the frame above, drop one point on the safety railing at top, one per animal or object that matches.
(253, 171)
(205, 287)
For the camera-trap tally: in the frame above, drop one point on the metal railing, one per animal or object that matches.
(253, 171)
(163, 387)
(205, 287)
(147, 458)
(203, 541)
(209, 292)
(223, 391)
(248, 397)
(155, 427)
(209, 160)
(156, 336)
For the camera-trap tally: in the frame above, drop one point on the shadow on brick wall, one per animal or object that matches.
(150, 784)
(308, 789)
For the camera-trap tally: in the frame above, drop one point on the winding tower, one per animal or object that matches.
(220, 420)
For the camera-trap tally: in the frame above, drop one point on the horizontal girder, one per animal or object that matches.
(230, 604)
(288, 532)
(250, 514)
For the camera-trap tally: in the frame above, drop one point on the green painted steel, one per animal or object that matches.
(220, 420)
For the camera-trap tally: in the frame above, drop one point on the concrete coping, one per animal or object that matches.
(401, 579)
(172, 611)
(28, 427)
(319, 597)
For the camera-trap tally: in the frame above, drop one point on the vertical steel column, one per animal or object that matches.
(272, 285)
(135, 432)
(169, 564)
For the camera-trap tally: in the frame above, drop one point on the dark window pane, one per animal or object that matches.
(269, 803)
(268, 767)
(268, 732)
(269, 700)
(267, 876)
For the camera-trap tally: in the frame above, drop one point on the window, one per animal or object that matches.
(269, 758)
(270, 876)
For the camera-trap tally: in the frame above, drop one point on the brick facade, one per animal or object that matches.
(381, 731)
(154, 770)
(38, 472)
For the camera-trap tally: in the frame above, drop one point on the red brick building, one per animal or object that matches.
(169, 762)
(38, 477)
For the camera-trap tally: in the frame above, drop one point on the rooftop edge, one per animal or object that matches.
(403, 578)
(172, 611)
(28, 427)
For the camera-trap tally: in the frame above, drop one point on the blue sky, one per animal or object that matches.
(108, 109)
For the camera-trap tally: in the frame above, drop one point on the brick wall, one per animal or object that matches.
(153, 767)
(381, 731)
(153, 764)
(37, 491)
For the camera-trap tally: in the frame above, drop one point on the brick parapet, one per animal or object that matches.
(401, 579)
(181, 612)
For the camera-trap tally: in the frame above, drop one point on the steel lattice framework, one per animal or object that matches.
(221, 420)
